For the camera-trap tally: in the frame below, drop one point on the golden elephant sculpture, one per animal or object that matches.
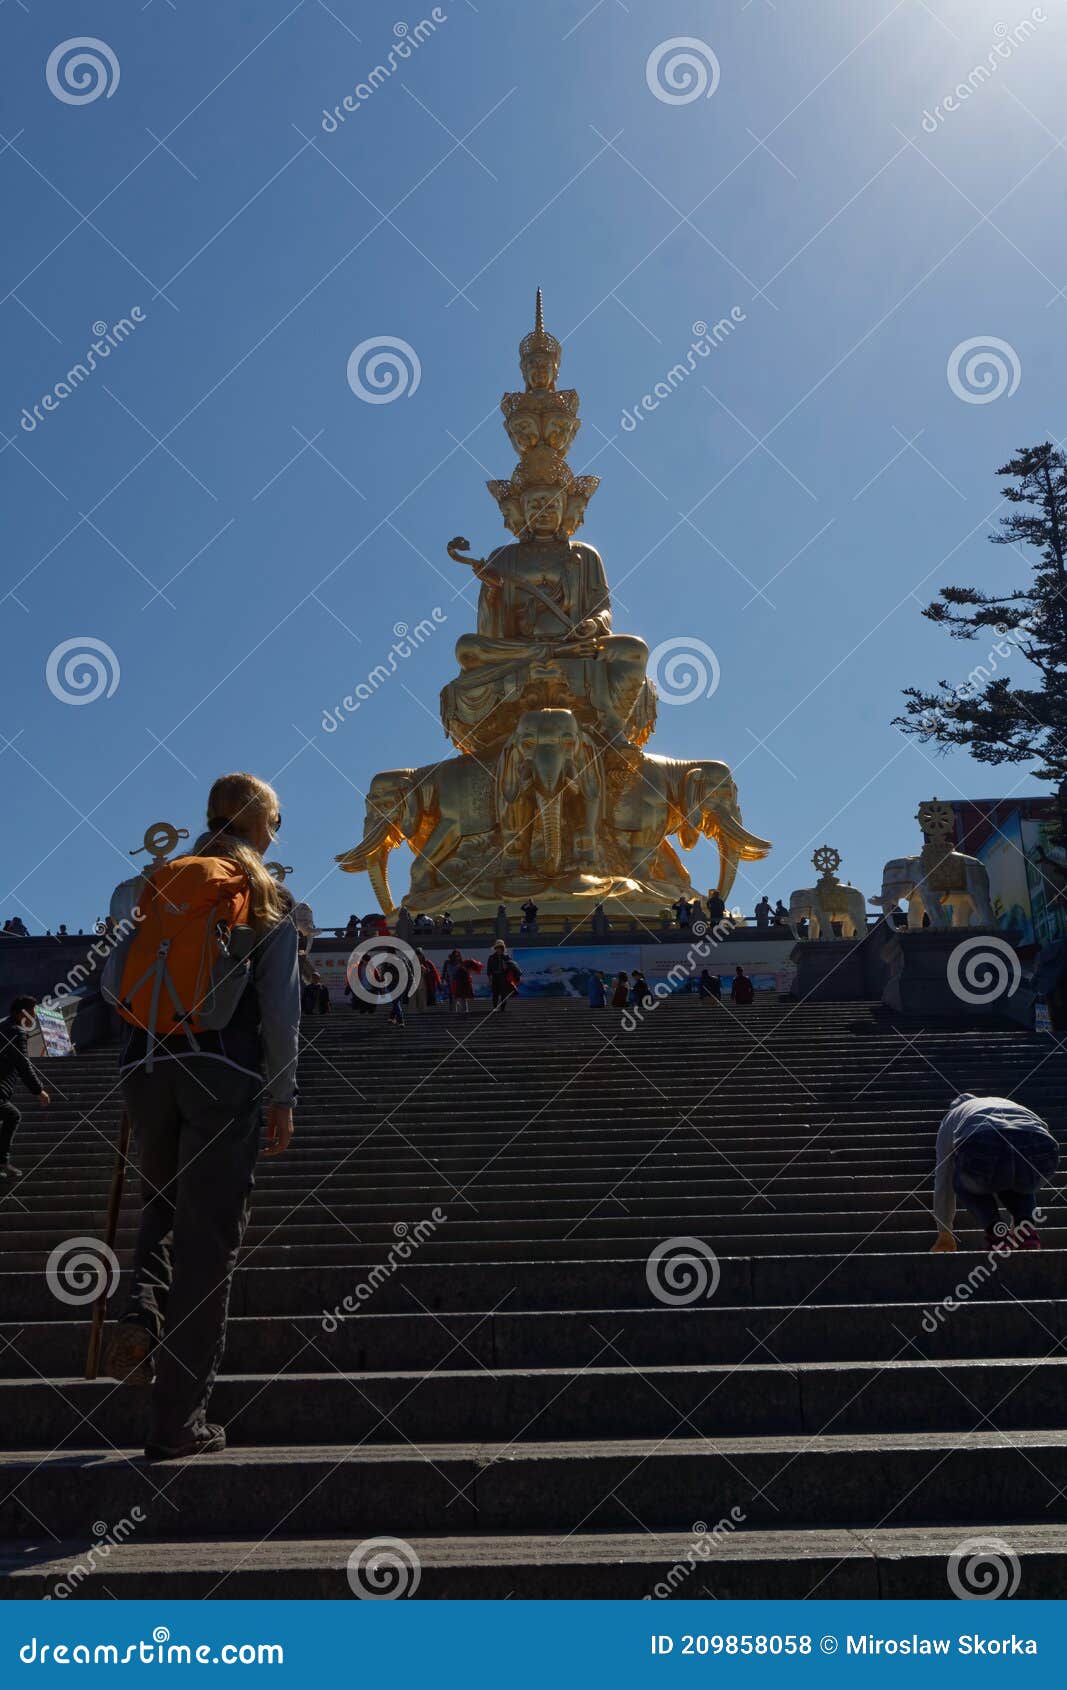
(548, 782)
(665, 796)
(435, 809)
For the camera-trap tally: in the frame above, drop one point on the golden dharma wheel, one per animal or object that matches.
(827, 860)
(935, 816)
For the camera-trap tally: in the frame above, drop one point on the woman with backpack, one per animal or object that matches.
(208, 983)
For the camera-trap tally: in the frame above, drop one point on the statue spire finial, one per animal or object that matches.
(540, 352)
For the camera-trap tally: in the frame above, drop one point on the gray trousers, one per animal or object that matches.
(197, 1126)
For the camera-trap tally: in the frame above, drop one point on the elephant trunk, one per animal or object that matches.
(550, 832)
(547, 763)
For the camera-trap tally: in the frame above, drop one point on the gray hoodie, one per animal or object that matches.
(967, 1115)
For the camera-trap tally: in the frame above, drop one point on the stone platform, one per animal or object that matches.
(948, 971)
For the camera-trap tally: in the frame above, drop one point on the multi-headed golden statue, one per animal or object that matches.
(551, 796)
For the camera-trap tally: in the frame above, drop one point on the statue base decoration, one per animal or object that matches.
(552, 797)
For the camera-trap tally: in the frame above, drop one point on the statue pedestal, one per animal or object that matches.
(828, 969)
(957, 971)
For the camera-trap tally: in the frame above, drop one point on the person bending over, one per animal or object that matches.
(991, 1151)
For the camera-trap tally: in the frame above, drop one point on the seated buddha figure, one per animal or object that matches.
(544, 634)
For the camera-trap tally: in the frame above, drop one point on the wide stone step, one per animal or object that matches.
(701, 1564)
(605, 1401)
(337, 1248)
(693, 1336)
(969, 1479)
(604, 1282)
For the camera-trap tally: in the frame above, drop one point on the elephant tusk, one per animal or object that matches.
(378, 873)
(371, 857)
(748, 847)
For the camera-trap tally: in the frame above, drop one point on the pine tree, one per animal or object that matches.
(987, 714)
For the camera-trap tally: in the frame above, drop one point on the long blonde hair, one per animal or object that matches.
(233, 804)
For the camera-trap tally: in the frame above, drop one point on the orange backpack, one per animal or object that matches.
(186, 963)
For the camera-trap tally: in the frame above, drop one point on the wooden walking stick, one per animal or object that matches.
(159, 840)
(96, 1329)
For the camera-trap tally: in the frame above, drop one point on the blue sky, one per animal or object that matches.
(217, 506)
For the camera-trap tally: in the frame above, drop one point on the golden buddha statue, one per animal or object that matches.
(551, 796)
(544, 634)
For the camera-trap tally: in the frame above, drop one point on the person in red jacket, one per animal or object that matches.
(742, 990)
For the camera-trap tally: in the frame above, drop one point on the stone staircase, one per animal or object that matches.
(514, 1400)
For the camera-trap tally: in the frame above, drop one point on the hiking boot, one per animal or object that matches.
(206, 1440)
(1027, 1237)
(128, 1357)
(8, 1170)
(998, 1238)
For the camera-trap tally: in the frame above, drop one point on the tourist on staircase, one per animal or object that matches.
(16, 1065)
(620, 996)
(597, 994)
(991, 1151)
(209, 986)
(640, 995)
(742, 990)
(709, 986)
(428, 984)
(459, 975)
(498, 969)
